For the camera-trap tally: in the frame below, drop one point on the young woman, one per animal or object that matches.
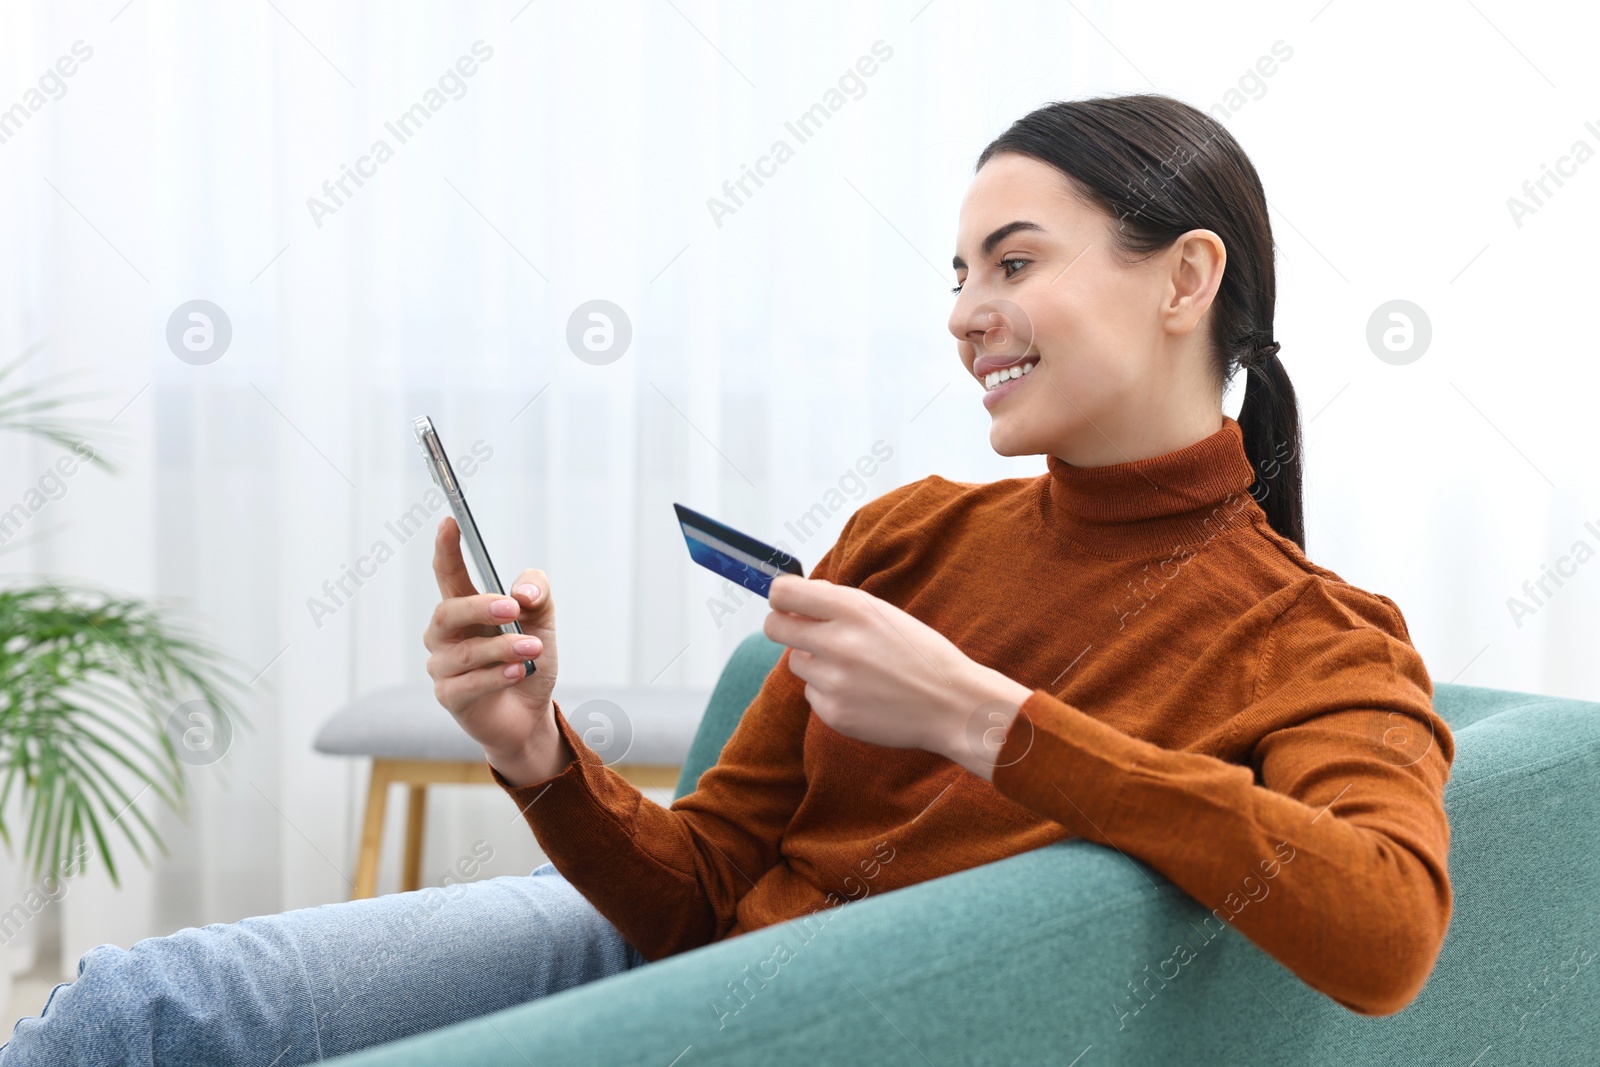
(1131, 648)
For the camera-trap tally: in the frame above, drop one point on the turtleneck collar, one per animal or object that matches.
(1184, 497)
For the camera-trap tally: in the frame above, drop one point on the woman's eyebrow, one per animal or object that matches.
(996, 237)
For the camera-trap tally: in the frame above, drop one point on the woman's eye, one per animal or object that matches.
(1005, 266)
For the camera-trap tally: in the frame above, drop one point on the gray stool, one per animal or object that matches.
(643, 734)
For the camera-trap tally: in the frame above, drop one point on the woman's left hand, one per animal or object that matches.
(877, 674)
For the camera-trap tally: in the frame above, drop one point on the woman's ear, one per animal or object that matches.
(1195, 264)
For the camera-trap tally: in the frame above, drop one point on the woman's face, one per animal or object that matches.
(1116, 357)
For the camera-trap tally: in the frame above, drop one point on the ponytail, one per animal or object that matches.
(1270, 421)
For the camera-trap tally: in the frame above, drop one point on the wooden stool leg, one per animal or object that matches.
(372, 832)
(416, 809)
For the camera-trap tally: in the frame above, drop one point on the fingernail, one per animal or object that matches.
(513, 671)
(528, 590)
(506, 609)
(525, 647)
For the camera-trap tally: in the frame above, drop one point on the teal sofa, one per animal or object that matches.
(1029, 960)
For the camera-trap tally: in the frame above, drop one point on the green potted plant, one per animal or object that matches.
(102, 696)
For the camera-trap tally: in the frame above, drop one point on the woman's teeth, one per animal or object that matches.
(1016, 370)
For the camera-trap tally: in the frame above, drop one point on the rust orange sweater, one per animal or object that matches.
(1205, 699)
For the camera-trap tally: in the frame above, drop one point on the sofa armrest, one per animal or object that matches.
(1030, 959)
(1038, 958)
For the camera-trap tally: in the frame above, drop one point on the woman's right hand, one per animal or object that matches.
(477, 670)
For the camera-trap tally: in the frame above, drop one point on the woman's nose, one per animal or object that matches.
(995, 327)
(971, 320)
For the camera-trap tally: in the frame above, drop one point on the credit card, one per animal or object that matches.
(737, 557)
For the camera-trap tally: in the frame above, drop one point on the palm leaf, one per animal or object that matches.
(88, 681)
(27, 407)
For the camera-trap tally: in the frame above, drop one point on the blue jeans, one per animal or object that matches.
(316, 983)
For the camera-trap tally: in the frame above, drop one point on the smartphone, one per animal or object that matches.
(438, 464)
(738, 557)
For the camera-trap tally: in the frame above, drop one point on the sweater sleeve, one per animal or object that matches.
(1328, 848)
(669, 879)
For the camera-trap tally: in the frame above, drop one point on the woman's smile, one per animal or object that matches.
(1000, 384)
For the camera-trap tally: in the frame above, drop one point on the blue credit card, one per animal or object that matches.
(739, 558)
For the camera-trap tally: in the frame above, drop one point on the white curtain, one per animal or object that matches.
(538, 157)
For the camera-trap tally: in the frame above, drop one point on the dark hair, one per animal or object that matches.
(1164, 168)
